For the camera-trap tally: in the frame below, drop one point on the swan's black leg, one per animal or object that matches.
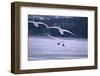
(58, 43)
(63, 45)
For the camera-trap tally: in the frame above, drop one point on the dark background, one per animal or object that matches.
(77, 25)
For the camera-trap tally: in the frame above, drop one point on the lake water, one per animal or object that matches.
(47, 49)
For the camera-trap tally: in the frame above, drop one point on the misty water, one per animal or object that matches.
(45, 48)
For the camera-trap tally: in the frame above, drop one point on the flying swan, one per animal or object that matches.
(36, 24)
(61, 32)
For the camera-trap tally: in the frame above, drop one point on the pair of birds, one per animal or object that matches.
(61, 31)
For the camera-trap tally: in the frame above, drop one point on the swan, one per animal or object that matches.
(36, 24)
(61, 30)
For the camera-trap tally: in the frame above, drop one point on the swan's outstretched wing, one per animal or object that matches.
(69, 32)
(52, 27)
(30, 21)
(43, 24)
(36, 24)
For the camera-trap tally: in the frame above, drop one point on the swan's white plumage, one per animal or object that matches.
(36, 24)
(61, 30)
